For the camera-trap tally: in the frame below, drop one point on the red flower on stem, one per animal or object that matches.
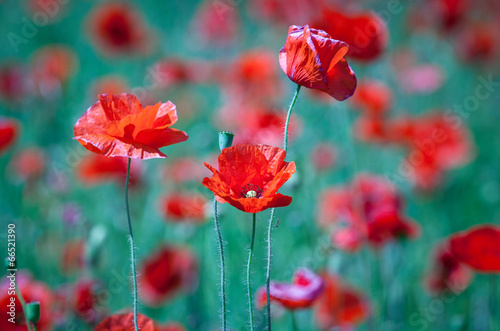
(249, 177)
(9, 131)
(125, 322)
(478, 247)
(166, 272)
(118, 125)
(313, 59)
(306, 287)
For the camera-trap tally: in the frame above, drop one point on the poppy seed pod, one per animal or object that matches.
(33, 312)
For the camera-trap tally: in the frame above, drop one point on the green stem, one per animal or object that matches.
(34, 326)
(132, 246)
(222, 267)
(294, 321)
(250, 254)
(271, 218)
(287, 123)
(23, 304)
(493, 303)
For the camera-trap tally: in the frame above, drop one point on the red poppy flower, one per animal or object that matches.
(184, 207)
(73, 256)
(117, 125)
(32, 291)
(110, 84)
(447, 272)
(184, 170)
(53, 66)
(366, 33)
(372, 97)
(28, 164)
(313, 59)
(125, 322)
(95, 169)
(166, 272)
(250, 176)
(478, 248)
(9, 131)
(118, 29)
(285, 11)
(85, 300)
(324, 156)
(306, 287)
(371, 129)
(368, 210)
(479, 42)
(339, 305)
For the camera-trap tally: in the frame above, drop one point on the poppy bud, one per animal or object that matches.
(33, 312)
(225, 139)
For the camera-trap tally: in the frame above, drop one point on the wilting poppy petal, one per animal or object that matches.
(9, 130)
(306, 287)
(117, 125)
(313, 59)
(366, 33)
(125, 322)
(166, 272)
(478, 248)
(249, 177)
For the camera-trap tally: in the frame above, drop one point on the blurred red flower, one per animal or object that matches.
(117, 125)
(53, 65)
(13, 82)
(372, 97)
(478, 247)
(250, 176)
(372, 129)
(95, 169)
(216, 23)
(479, 42)
(324, 156)
(166, 272)
(125, 322)
(368, 210)
(32, 291)
(29, 163)
(85, 300)
(366, 33)
(184, 170)
(73, 256)
(313, 59)
(9, 131)
(306, 287)
(285, 11)
(184, 207)
(447, 272)
(423, 79)
(110, 84)
(169, 327)
(339, 305)
(117, 28)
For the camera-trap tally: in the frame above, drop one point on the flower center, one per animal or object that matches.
(251, 191)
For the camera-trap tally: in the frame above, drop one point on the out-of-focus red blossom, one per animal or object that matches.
(373, 98)
(324, 156)
(263, 125)
(52, 66)
(9, 131)
(73, 256)
(340, 305)
(28, 164)
(249, 177)
(184, 170)
(371, 129)
(479, 42)
(184, 207)
(447, 272)
(117, 28)
(13, 82)
(216, 23)
(85, 299)
(449, 12)
(368, 210)
(109, 85)
(166, 272)
(94, 169)
(169, 327)
(478, 248)
(125, 322)
(285, 12)
(52, 9)
(118, 125)
(366, 33)
(435, 145)
(32, 291)
(172, 71)
(305, 289)
(423, 79)
(313, 59)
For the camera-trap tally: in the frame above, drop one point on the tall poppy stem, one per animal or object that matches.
(222, 267)
(249, 265)
(493, 301)
(23, 304)
(132, 246)
(294, 321)
(271, 218)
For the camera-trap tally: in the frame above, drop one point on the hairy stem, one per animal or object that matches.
(132, 246)
(222, 267)
(249, 265)
(288, 115)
